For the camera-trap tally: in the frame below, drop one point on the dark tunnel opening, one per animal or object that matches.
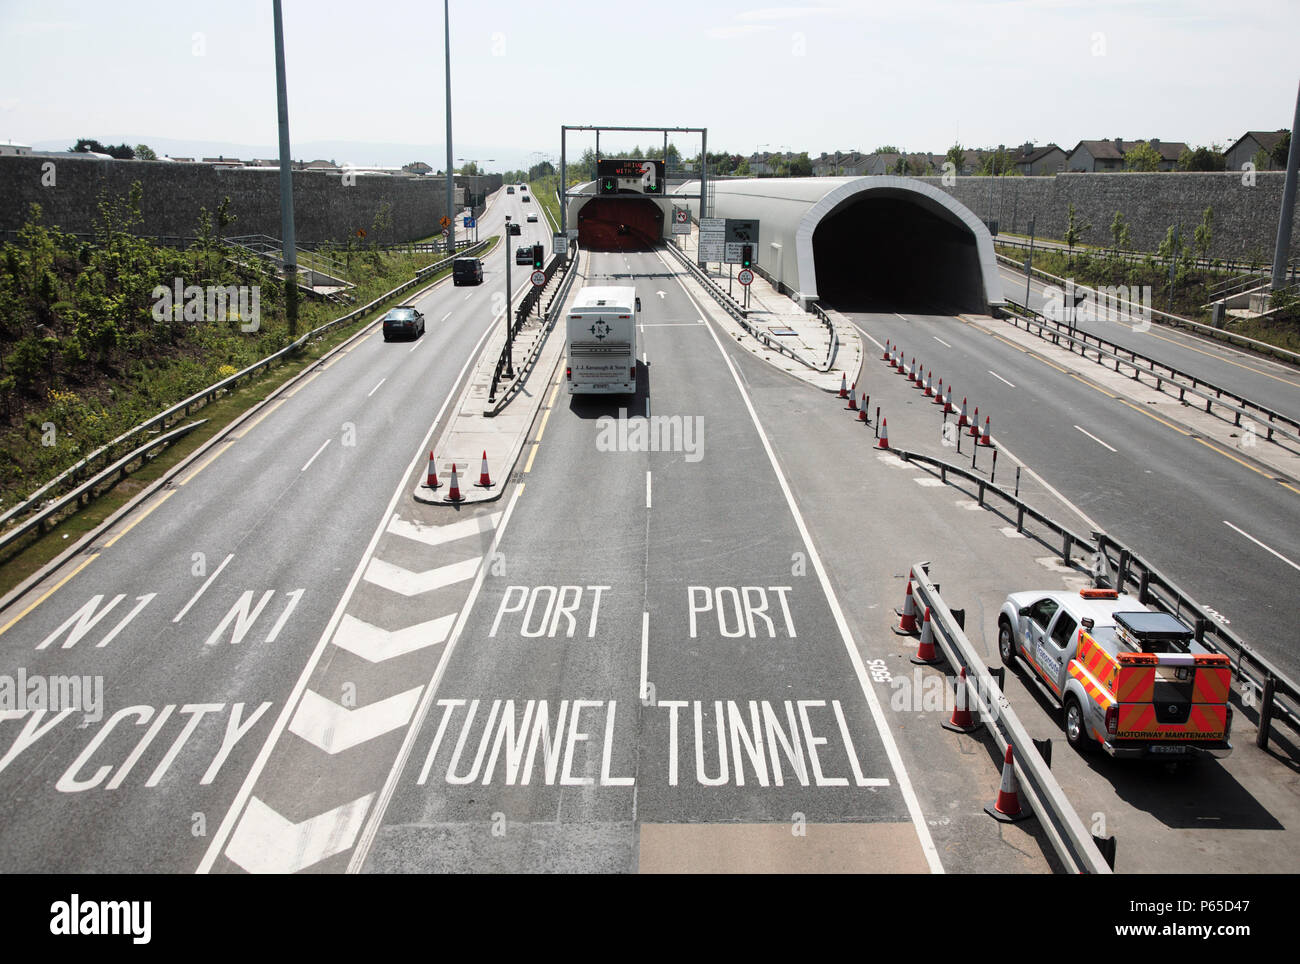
(620, 224)
(890, 253)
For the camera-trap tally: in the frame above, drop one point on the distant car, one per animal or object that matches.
(532, 219)
(404, 320)
(510, 190)
(466, 271)
(515, 228)
(526, 199)
(524, 254)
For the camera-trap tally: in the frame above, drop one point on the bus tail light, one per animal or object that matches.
(568, 374)
(631, 372)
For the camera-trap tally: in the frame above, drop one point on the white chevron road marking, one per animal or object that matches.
(410, 583)
(376, 645)
(267, 843)
(333, 728)
(437, 535)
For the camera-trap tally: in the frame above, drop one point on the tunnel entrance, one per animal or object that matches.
(620, 224)
(892, 251)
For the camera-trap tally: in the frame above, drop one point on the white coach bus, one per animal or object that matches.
(601, 342)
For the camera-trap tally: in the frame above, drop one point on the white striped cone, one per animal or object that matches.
(938, 395)
(453, 493)
(484, 479)
(853, 398)
(1007, 809)
(926, 655)
(947, 402)
(975, 424)
(984, 439)
(885, 356)
(432, 481)
(844, 385)
(884, 434)
(962, 720)
(929, 392)
(907, 615)
(963, 421)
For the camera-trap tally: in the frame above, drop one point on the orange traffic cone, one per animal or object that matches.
(853, 398)
(929, 392)
(963, 421)
(962, 720)
(907, 615)
(947, 402)
(484, 479)
(862, 409)
(885, 356)
(432, 481)
(984, 439)
(884, 434)
(1007, 807)
(975, 424)
(938, 395)
(898, 360)
(926, 655)
(453, 494)
(844, 385)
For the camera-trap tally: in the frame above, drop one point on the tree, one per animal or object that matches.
(1201, 159)
(996, 163)
(143, 152)
(1204, 233)
(1074, 228)
(901, 166)
(1143, 158)
(1279, 153)
(800, 166)
(470, 169)
(1261, 160)
(1119, 234)
(886, 149)
(87, 145)
(956, 156)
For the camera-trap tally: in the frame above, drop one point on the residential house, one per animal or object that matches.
(1248, 145)
(1035, 161)
(1098, 156)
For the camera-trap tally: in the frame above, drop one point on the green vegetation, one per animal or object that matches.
(543, 192)
(1142, 158)
(1202, 159)
(88, 349)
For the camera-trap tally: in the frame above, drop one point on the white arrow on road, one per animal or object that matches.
(333, 728)
(437, 535)
(267, 843)
(375, 645)
(660, 293)
(410, 583)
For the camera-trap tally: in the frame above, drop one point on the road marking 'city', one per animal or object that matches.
(1094, 438)
(1000, 378)
(318, 452)
(203, 588)
(376, 388)
(1261, 545)
(846, 636)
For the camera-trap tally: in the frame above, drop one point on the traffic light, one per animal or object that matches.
(537, 256)
(609, 185)
(747, 256)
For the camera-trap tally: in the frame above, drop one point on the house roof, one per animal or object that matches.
(1106, 150)
(1265, 139)
(1037, 154)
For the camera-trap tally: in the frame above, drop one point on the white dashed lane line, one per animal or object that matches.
(1094, 438)
(376, 388)
(318, 452)
(1000, 378)
(1261, 545)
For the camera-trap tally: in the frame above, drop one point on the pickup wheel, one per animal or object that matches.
(1006, 644)
(1075, 729)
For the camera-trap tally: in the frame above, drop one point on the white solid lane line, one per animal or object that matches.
(376, 388)
(1262, 546)
(446, 316)
(645, 652)
(416, 345)
(941, 341)
(1094, 438)
(1000, 378)
(318, 452)
(202, 589)
(647, 490)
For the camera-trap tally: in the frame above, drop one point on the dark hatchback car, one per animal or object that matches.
(403, 321)
(467, 271)
(524, 254)
(515, 228)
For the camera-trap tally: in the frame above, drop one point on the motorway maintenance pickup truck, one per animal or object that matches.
(1128, 678)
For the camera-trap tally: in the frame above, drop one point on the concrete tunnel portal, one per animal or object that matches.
(886, 252)
(620, 223)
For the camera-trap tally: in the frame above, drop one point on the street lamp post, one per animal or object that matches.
(470, 194)
(451, 182)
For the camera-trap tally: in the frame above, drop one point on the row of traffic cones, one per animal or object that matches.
(849, 392)
(922, 379)
(453, 490)
(1006, 808)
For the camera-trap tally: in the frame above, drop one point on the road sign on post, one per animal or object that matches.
(444, 221)
(745, 277)
(713, 235)
(538, 278)
(681, 221)
(740, 233)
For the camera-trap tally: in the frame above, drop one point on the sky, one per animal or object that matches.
(367, 79)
